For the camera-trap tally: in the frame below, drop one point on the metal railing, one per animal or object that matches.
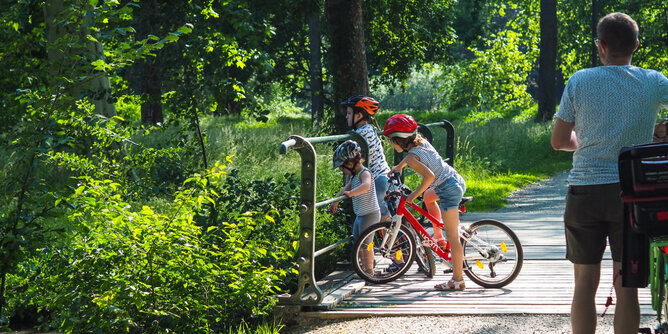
(307, 209)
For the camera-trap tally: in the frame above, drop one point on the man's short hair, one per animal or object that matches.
(619, 32)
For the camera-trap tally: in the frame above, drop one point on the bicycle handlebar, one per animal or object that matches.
(395, 180)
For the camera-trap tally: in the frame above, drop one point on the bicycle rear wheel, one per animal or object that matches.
(376, 261)
(424, 256)
(493, 255)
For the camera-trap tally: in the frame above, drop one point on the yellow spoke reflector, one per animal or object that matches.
(504, 247)
(479, 264)
(398, 255)
(370, 247)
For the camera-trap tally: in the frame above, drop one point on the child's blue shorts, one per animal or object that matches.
(450, 192)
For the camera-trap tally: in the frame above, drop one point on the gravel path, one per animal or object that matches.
(547, 196)
(501, 324)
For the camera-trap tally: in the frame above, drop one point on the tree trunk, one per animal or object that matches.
(593, 57)
(348, 58)
(149, 68)
(99, 86)
(547, 60)
(316, 68)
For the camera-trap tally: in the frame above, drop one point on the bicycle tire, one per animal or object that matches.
(424, 256)
(372, 240)
(504, 258)
(425, 259)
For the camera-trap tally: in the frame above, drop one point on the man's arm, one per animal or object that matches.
(563, 136)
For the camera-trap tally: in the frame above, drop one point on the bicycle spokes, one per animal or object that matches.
(496, 252)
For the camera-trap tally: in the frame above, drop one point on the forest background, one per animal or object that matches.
(142, 189)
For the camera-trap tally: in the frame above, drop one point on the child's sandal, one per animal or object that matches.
(451, 285)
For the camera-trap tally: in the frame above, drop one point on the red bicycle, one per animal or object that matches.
(493, 255)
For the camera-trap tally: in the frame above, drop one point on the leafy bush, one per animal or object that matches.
(494, 80)
(140, 270)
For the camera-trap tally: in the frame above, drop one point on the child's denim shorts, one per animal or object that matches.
(450, 192)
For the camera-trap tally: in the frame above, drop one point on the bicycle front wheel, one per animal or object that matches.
(493, 255)
(376, 260)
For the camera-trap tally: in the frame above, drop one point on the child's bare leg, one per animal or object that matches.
(367, 260)
(456, 251)
(430, 199)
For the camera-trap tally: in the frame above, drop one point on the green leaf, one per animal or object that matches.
(100, 65)
(186, 29)
(146, 211)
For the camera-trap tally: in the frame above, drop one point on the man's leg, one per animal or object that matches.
(583, 307)
(627, 310)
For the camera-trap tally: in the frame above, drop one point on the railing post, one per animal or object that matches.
(450, 142)
(307, 213)
(306, 258)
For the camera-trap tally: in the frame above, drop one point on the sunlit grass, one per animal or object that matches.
(495, 158)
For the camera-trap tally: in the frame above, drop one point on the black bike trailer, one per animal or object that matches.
(643, 176)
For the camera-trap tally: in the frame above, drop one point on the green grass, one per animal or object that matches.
(495, 157)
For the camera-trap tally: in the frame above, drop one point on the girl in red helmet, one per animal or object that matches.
(440, 182)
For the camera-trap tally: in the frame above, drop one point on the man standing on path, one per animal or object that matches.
(603, 109)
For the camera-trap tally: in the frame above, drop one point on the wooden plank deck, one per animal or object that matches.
(544, 286)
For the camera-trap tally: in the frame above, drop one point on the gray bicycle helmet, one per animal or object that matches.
(348, 150)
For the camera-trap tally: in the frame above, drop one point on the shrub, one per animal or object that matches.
(494, 80)
(140, 270)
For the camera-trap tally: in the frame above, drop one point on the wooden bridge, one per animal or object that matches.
(544, 286)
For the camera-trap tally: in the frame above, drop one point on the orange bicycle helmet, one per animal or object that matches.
(362, 103)
(401, 125)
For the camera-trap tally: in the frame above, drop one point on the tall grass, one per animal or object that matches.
(495, 157)
(501, 156)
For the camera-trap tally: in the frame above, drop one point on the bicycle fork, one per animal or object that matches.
(386, 247)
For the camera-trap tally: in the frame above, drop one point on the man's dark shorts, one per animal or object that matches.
(593, 213)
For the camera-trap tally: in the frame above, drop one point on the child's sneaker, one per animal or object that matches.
(394, 267)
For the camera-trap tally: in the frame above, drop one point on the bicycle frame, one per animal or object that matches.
(402, 211)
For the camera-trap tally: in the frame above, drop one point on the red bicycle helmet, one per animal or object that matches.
(362, 103)
(401, 125)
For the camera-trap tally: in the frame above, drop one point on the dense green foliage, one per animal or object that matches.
(113, 221)
(576, 38)
(159, 268)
